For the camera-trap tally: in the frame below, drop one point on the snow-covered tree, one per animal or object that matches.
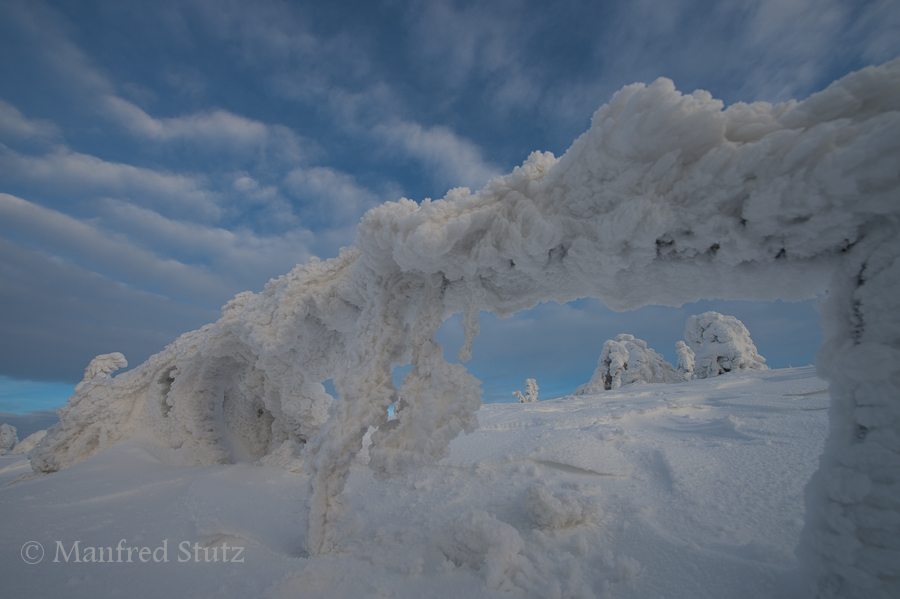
(685, 361)
(721, 344)
(531, 392)
(626, 360)
(8, 438)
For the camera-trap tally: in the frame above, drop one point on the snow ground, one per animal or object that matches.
(685, 491)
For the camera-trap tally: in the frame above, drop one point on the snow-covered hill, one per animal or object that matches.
(679, 491)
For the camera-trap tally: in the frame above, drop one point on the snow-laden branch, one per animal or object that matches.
(667, 198)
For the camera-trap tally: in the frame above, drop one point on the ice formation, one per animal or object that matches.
(624, 361)
(8, 438)
(667, 198)
(102, 366)
(720, 344)
(686, 356)
(531, 392)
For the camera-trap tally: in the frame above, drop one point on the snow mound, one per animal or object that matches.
(29, 442)
(720, 344)
(561, 509)
(480, 541)
(625, 361)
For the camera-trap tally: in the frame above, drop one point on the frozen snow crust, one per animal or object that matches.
(667, 198)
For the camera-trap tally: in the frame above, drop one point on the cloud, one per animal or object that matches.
(330, 196)
(87, 244)
(487, 42)
(31, 422)
(45, 34)
(456, 162)
(66, 173)
(58, 315)
(213, 130)
(14, 126)
(240, 258)
(877, 29)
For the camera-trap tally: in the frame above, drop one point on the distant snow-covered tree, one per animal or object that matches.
(685, 361)
(8, 438)
(721, 344)
(531, 392)
(626, 360)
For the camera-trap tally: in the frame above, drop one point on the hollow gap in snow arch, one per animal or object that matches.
(329, 387)
(559, 344)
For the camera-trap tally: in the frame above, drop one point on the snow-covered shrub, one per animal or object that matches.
(8, 438)
(561, 509)
(626, 360)
(685, 368)
(531, 392)
(720, 344)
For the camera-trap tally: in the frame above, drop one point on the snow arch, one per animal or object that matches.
(666, 199)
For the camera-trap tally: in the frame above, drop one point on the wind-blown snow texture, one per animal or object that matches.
(667, 198)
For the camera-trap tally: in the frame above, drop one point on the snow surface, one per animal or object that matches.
(686, 491)
(667, 198)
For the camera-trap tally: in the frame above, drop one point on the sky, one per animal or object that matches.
(156, 158)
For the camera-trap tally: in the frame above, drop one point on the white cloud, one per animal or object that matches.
(72, 173)
(58, 315)
(456, 161)
(242, 259)
(109, 254)
(877, 29)
(46, 32)
(337, 197)
(15, 126)
(214, 130)
(485, 40)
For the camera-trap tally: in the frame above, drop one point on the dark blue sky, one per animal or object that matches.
(158, 157)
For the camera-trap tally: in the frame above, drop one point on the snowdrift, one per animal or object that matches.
(667, 198)
(687, 491)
